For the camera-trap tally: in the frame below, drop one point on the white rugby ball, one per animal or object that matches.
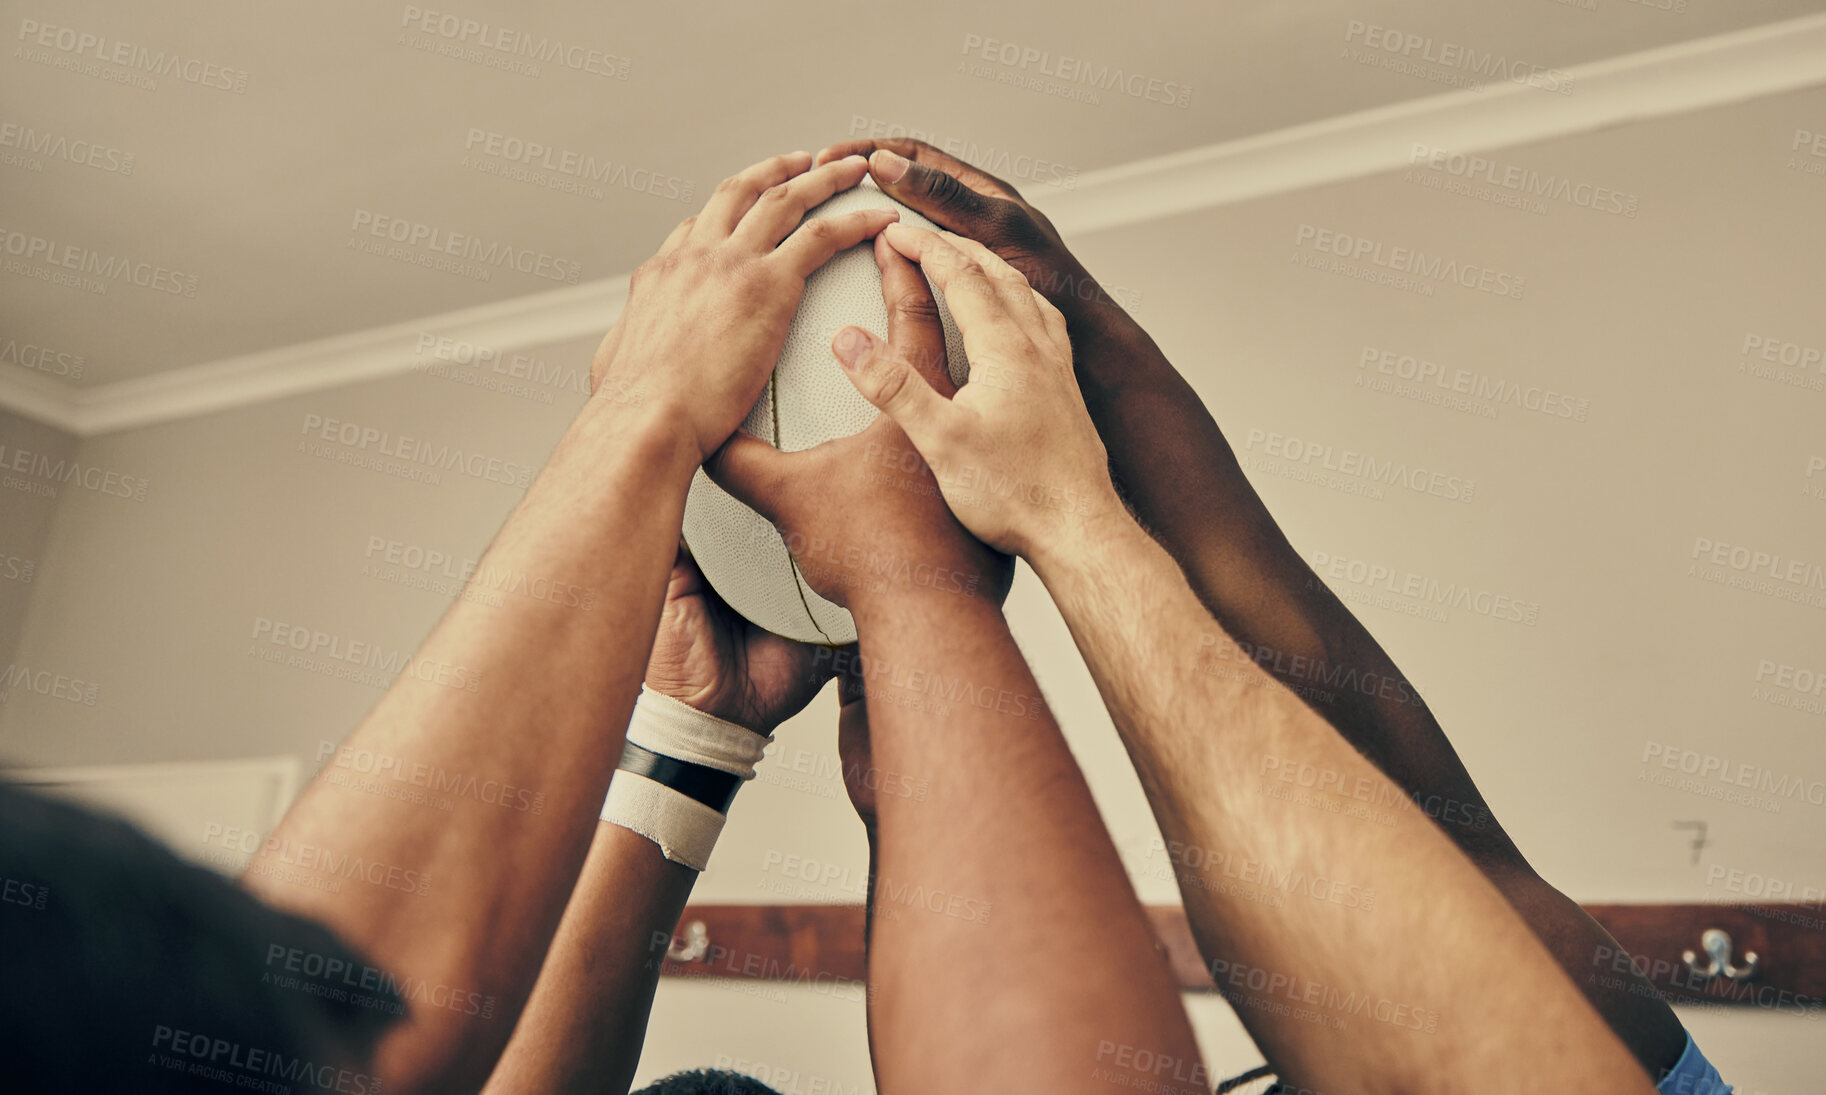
(807, 402)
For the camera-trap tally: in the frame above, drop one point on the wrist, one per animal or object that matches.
(720, 700)
(680, 769)
(658, 442)
(1081, 298)
(898, 609)
(1103, 524)
(908, 571)
(1108, 347)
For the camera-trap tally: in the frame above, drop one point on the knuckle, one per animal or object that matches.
(941, 187)
(648, 270)
(891, 384)
(974, 283)
(776, 194)
(1000, 271)
(739, 269)
(945, 256)
(916, 305)
(1007, 222)
(732, 186)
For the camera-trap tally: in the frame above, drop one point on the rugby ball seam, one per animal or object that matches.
(799, 582)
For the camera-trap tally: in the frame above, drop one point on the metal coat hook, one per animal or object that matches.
(1717, 945)
(697, 944)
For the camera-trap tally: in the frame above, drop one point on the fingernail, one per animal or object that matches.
(849, 346)
(887, 166)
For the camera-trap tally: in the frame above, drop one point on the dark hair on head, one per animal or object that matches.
(706, 1081)
(112, 946)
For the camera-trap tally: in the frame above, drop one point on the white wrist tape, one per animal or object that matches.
(678, 774)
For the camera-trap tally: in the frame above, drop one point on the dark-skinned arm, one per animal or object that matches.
(1178, 474)
(1007, 950)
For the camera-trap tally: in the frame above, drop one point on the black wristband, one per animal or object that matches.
(715, 789)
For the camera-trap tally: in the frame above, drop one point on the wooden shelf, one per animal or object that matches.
(823, 944)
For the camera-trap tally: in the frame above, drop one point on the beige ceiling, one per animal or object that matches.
(255, 193)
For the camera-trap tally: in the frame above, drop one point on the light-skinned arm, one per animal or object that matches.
(1439, 985)
(541, 732)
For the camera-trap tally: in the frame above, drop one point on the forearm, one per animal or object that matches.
(1184, 482)
(1437, 934)
(520, 764)
(1029, 957)
(587, 1018)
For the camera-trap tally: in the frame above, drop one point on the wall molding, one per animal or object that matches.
(1637, 87)
(1678, 79)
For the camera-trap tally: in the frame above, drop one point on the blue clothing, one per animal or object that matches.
(1693, 1075)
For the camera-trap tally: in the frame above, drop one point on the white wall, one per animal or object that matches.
(28, 504)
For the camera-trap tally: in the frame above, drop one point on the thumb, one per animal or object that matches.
(752, 471)
(938, 195)
(893, 386)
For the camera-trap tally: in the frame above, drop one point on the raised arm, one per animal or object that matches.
(587, 1017)
(512, 715)
(1007, 950)
(1395, 996)
(1174, 468)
